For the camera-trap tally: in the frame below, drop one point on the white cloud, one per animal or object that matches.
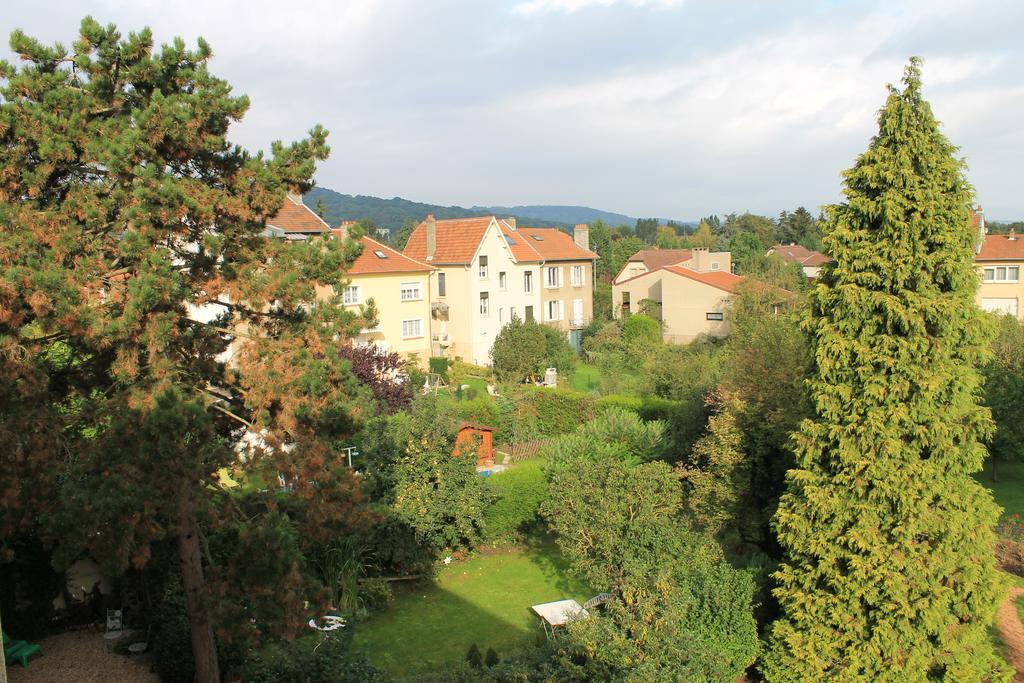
(569, 6)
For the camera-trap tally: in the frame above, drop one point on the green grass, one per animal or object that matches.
(484, 600)
(476, 383)
(585, 378)
(1009, 489)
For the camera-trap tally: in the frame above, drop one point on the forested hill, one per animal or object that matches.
(392, 213)
(565, 214)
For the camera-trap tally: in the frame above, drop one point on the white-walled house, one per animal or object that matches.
(489, 270)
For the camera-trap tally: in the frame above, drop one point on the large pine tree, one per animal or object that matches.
(890, 573)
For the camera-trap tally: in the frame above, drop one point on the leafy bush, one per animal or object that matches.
(171, 646)
(560, 411)
(523, 350)
(439, 366)
(315, 658)
(393, 545)
(375, 594)
(440, 495)
(517, 495)
(639, 330)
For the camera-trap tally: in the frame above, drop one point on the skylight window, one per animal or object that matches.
(509, 240)
(380, 254)
(537, 237)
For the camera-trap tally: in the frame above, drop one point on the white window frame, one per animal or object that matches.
(502, 280)
(714, 316)
(483, 262)
(577, 308)
(991, 274)
(352, 295)
(558, 310)
(411, 291)
(412, 329)
(485, 303)
(715, 265)
(557, 272)
(442, 285)
(528, 282)
(576, 276)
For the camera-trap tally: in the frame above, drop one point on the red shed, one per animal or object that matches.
(469, 431)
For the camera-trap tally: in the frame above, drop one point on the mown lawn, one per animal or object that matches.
(484, 600)
(1009, 489)
(585, 378)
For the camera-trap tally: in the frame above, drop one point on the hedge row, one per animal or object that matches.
(518, 493)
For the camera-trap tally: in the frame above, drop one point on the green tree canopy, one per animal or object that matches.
(890, 573)
(131, 268)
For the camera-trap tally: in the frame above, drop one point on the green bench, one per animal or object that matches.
(19, 650)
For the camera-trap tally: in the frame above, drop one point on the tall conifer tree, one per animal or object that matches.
(890, 572)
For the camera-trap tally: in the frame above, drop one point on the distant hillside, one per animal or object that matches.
(569, 215)
(392, 213)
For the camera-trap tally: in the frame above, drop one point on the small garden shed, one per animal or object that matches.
(471, 433)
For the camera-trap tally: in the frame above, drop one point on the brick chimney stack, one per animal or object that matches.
(511, 223)
(581, 236)
(431, 227)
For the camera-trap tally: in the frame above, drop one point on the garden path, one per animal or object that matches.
(1012, 631)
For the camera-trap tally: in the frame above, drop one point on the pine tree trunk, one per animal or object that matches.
(204, 648)
(3, 661)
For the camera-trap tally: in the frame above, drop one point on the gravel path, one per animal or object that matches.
(83, 657)
(1012, 631)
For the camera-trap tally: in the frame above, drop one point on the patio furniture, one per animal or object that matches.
(19, 650)
(555, 615)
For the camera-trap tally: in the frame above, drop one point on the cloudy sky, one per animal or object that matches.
(671, 108)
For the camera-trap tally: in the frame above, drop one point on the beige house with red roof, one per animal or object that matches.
(1000, 261)
(809, 261)
(647, 260)
(689, 300)
(399, 288)
(489, 270)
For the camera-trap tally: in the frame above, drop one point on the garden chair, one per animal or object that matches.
(19, 650)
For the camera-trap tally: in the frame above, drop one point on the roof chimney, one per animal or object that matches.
(511, 222)
(979, 216)
(294, 196)
(581, 236)
(1013, 234)
(431, 226)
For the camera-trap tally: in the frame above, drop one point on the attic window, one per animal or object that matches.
(537, 237)
(380, 254)
(509, 240)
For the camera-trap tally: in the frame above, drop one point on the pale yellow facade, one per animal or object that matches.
(687, 308)
(1002, 287)
(567, 294)
(691, 308)
(402, 301)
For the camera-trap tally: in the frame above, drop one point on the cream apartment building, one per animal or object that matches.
(488, 270)
(1000, 261)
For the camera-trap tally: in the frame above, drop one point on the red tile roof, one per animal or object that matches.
(659, 258)
(716, 278)
(295, 216)
(457, 240)
(1001, 248)
(368, 263)
(796, 253)
(553, 245)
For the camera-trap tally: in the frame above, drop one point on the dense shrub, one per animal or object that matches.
(394, 548)
(439, 366)
(171, 641)
(440, 495)
(560, 411)
(641, 330)
(315, 658)
(517, 496)
(375, 594)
